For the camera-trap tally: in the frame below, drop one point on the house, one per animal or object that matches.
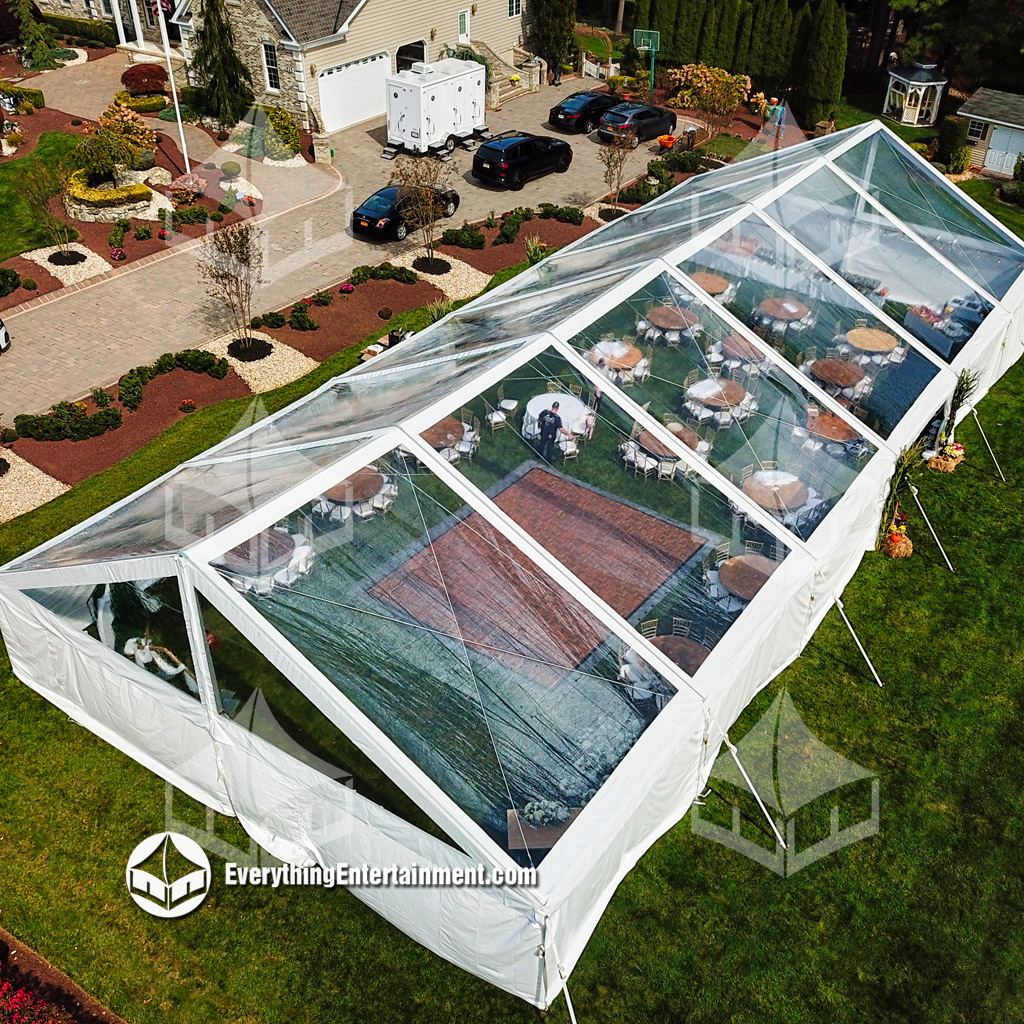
(996, 131)
(325, 61)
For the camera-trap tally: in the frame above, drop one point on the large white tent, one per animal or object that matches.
(529, 654)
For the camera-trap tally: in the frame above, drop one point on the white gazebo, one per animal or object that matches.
(524, 646)
(914, 93)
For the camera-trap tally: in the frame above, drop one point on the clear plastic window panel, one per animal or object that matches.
(192, 503)
(575, 275)
(142, 621)
(500, 686)
(937, 211)
(882, 261)
(259, 698)
(724, 399)
(616, 507)
(811, 320)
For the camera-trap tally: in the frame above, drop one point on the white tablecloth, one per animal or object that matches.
(774, 477)
(703, 389)
(572, 410)
(613, 349)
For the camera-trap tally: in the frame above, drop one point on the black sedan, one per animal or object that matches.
(636, 122)
(581, 111)
(513, 157)
(387, 214)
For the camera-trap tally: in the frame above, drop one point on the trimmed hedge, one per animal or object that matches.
(385, 272)
(147, 104)
(10, 281)
(469, 236)
(686, 162)
(79, 191)
(52, 428)
(284, 141)
(1009, 192)
(19, 92)
(101, 31)
(192, 96)
(510, 225)
(129, 387)
(563, 214)
(952, 137)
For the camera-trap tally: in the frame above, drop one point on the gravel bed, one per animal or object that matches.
(461, 282)
(282, 366)
(293, 161)
(93, 265)
(241, 186)
(24, 487)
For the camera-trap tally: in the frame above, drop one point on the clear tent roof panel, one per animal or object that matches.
(935, 211)
(766, 268)
(879, 258)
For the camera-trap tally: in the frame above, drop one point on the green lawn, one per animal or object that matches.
(919, 923)
(983, 192)
(22, 231)
(858, 109)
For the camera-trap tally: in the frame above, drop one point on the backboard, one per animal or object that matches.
(646, 39)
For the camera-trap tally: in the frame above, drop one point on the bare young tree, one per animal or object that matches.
(614, 158)
(38, 185)
(424, 194)
(231, 266)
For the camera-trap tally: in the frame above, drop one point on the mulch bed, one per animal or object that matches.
(26, 268)
(493, 258)
(26, 969)
(34, 125)
(75, 461)
(349, 319)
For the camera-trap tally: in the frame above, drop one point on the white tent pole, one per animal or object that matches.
(984, 437)
(935, 536)
(563, 978)
(159, 11)
(757, 796)
(853, 633)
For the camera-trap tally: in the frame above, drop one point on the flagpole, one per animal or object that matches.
(159, 5)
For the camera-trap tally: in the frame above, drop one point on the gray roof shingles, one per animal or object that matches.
(308, 20)
(992, 105)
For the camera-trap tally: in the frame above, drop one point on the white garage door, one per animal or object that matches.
(1003, 149)
(353, 92)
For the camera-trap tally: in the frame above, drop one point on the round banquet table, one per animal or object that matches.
(264, 553)
(871, 339)
(840, 372)
(829, 426)
(729, 393)
(444, 434)
(652, 445)
(572, 410)
(745, 575)
(617, 355)
(713, 284)
(776, 489)
(360, 486)
(686, 653)
(670, 318)
(739, 348)
(784, 309)
(685, 434)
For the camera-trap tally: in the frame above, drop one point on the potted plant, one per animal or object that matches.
(896, 543)
(949, 456)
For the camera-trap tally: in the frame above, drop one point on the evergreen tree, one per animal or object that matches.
(780, 26)
(226, 80)
(740, 60)
(727, 31)
(826, 62)
(37, 52)
(687, 30)
(758, 40)
(799, 39)
(663, 18)
(706, 53)
(642, 14)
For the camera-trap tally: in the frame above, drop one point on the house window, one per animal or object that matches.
(150, 19)
(270, 66)
(515, 8)
(108, 9)
(977, 131)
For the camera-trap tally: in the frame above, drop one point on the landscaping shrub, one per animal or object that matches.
(641, 192)
(225, 208)
(322, 299)
(100, 397)
(142, 232)
(141, 79)
(129, 390)
(256, 323)
(217, 216)
(20, 94)
(490, 221)
(192, 96)
(536, 250)
(284, 140)
(147, 104)
(10, 280)
(252, 141)
(165, 363)
(300, 320)
(960, 161)
(941, 168)
(187, 405)
(231, 168)
(469, 236)
(124, 96)
(919, 147)
(187, 188)
(438, 310)
(145, 160)
(8, 435)
(117, 254)
(952, 137)
(687, 162)
(177, 219)
(274, 319)
(199, 361)
(29, 284)
(385, 272)
(117, 233)
(79, 191)
(564, 214)
(1018, 168)
(511, 223)
(1009, 192)
(25, 108)
(63, 54)
(187, 114)
(100, 31)
(67, 422)
(75, 122)
(386, 313)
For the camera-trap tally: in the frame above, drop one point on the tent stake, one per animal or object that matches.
(974, 413)
(757, 797)
(935, 536)
(860, 646)
(565, 987)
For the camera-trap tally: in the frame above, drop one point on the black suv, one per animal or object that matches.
(381, 214)
(636, 122)
(513, 157)
(581, 111)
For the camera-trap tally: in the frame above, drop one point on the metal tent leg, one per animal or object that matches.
(860, 646)
(935, 536)
(981, 430)
(757, 797)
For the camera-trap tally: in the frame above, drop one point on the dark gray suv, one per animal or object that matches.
(635, 122)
